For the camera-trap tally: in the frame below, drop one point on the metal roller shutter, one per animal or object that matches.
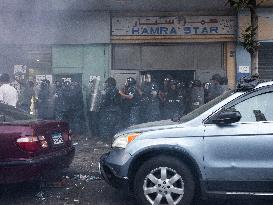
(266, 61)
(203, 56)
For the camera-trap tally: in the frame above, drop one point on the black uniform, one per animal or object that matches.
(197, 97)
(171, 108)
(134, 117)
(27, 95)
(146, 99)
(150, 102)
(76, 109)
(214, 91)
(181, 98)
(110, 112)
(67, 95)
(59, 102)
(125, 109)
(43, 101)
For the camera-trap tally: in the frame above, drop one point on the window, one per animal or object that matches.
(257, 108)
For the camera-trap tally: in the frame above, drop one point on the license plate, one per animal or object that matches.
(57, 138)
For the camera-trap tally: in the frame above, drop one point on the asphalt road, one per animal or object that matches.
(94, 192)
(81, 184)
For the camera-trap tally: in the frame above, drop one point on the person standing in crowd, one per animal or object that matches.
(145, 98)
(154, 109)
(77, 112)
(132, 99)
(149, 100)
(27, 94)
(197, 95)
(224, 84)
(125, 106)
(59, 101)
(110, 109)
(43, 100)
(66, 92)
(215, 89)
(8, 94)
(171, 108)
(93, 101)
(162, 95)
(181, 87)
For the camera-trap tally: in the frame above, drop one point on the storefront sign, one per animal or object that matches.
(173, 26)
(244, 69)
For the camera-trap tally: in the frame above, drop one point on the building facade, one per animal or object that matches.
(187, 39)
(185, 46)
(265, 50)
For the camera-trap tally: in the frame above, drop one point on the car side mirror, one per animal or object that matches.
(227, 117)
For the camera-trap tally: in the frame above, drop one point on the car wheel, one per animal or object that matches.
(164, 180)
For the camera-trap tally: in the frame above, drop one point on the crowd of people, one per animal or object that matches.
(152, 101)
(60, 101)
(117, 108)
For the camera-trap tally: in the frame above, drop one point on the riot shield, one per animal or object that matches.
(95, 94)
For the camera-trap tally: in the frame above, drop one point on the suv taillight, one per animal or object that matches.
(29, 143)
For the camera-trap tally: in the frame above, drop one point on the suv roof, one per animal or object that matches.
(264, 84)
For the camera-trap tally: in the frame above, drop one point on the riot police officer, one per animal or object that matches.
(149, 100)
(76, 108)
(162, 95)
(59, 101)
(171, 108)
(43, 100)
(197, 95)
(110, 109)
(154, 109)
(132, 99)
(215, 89)
(66, 93)
(181, 87)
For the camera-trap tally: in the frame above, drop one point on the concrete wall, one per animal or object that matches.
(85, 59)
(66, 27)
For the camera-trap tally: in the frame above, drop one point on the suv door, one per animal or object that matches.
(239, 156)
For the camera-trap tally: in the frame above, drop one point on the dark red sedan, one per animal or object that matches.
(31, 149)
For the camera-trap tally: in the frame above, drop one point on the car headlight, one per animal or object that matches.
(123, 140)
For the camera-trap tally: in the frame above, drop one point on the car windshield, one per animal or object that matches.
(195, 113)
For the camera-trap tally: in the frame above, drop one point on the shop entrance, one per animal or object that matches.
(180, 75)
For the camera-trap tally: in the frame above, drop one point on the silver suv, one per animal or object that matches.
(223, 148)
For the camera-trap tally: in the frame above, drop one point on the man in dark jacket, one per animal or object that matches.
(132, 99)
(43, 100)
(171, 108)
(197, 95)
(27, 94)
(215, 89)
(149, 100)
(110, 109)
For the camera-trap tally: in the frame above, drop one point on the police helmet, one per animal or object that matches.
(216, 77)
(197, 83)
(168, 78)
(181, 84)
(173, 82)
(130, 81)
(111, 82)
